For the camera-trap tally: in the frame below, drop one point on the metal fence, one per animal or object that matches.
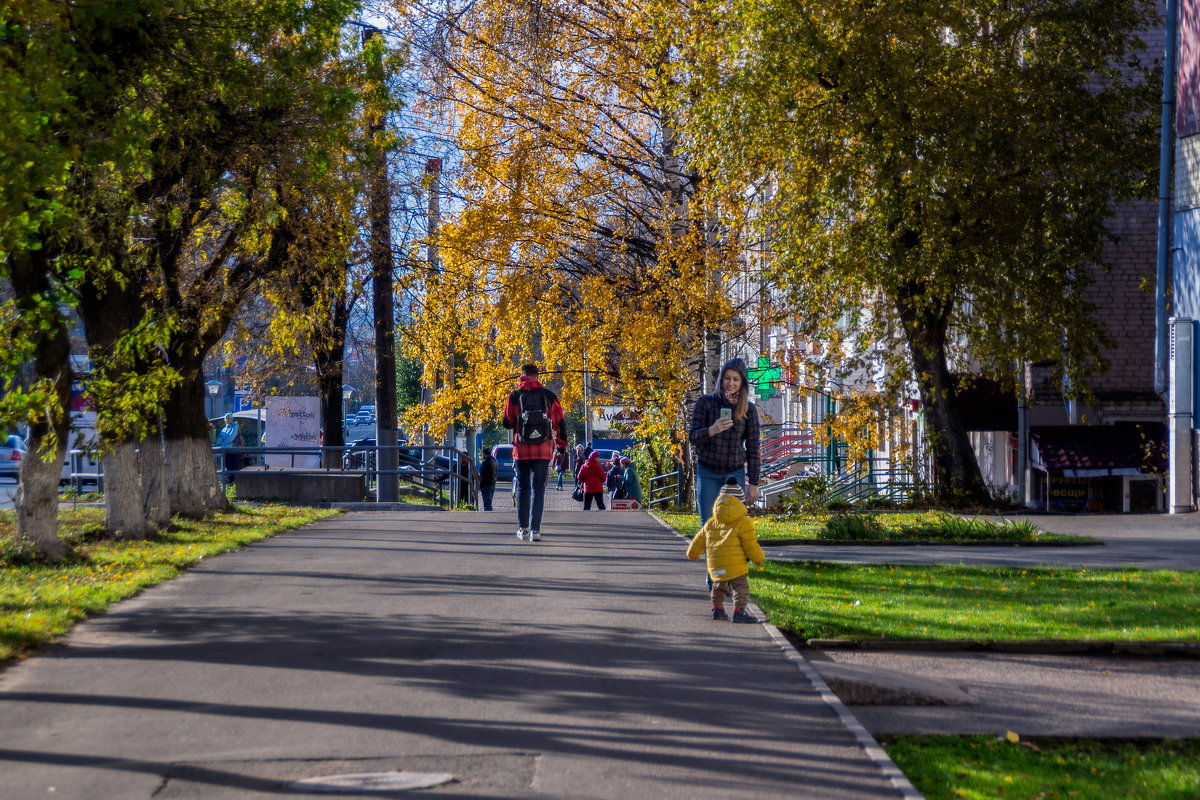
(668, 489)
(426, 468)
(446, 473)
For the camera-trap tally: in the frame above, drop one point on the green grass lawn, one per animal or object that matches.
(908, 526)
(984, 767)
(825, 600)
(39, 602)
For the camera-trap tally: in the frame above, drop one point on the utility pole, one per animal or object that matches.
(587, 406)
(433, 171)
(379, 211)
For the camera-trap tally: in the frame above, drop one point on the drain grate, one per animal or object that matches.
(481, 774)
(359, 782)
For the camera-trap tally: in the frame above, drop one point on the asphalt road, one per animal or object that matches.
(586, 666)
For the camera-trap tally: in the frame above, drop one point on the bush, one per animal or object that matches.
(855, 527)
(807, 496)
(878, 504)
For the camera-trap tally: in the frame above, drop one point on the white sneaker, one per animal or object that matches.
(535, 536)
(521, 534)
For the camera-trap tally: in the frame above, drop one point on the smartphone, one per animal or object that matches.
(726, 413)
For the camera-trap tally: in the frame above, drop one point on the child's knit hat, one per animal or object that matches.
(732, 489)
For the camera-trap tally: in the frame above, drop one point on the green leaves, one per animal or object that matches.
(941, 169)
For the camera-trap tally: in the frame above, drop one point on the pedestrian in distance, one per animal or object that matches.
(532, 412)
(487, 478)
(724, 436)
(615, 479)
(592, 476)
(230, 435)
(633, 487)
(728, 542)
(561, 464)
(580, 458)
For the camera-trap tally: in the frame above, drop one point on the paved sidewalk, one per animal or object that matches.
(585, 666)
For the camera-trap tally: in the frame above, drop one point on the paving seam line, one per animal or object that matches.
(865, 740)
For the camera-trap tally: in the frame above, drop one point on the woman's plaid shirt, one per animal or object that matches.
(729, 450)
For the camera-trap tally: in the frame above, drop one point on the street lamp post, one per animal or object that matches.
(213, 388)
(347, 393)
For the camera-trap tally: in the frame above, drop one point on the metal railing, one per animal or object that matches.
(446, 473)
(666, 489)
(871, 480)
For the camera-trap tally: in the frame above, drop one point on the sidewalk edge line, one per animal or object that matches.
(864, 738)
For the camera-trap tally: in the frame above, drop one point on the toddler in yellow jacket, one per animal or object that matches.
(728, 539)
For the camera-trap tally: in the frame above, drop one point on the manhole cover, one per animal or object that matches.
(371, 782)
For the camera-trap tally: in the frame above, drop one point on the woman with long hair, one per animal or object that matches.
(724, 437)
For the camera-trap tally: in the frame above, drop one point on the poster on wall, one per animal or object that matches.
(609, 418)
(1187, 91)
(294, 422)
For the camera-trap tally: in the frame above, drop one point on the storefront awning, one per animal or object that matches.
(1087, 451)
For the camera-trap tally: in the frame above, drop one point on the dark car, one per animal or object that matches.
(12, 453)
(360, 455)
(505, 468)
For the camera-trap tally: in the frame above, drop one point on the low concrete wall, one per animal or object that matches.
(260, 483)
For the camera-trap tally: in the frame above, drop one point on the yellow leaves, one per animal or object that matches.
(571, 245)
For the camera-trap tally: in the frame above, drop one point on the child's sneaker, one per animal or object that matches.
(743, 616)
(719, 613)
(521, 534)
(535, 536)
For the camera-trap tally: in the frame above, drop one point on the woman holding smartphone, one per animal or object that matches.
(724, 437)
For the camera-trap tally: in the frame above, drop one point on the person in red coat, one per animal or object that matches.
(592, 476)
(535, 417)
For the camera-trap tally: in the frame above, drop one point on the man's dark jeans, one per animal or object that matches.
(531, 491)
(487, 493)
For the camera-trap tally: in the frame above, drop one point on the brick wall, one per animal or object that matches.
(1125, 296)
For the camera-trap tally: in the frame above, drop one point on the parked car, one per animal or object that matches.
(606, 454)
(360, 455)
(505, 468)
(12, 453)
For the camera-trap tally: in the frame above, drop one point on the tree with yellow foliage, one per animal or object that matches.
(573, 235)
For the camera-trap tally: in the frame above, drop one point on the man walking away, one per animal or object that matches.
(487, 478)
(535, 417)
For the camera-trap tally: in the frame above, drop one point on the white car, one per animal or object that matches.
(12, 453)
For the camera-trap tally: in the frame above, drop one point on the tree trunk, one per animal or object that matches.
(36, 501)
(156, 503)
(330, 369)
(191, 472)
(957, 475)
(110, 310)
(124, 513)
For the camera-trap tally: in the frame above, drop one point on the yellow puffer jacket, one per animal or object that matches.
(728, 539)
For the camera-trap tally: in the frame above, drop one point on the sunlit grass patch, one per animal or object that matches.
(907, 526)
(856, 601)
(985, 767)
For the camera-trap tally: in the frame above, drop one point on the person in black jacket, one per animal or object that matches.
(724, 437)
(487, 478)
